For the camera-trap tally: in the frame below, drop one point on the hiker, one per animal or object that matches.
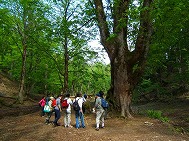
(49, 114)
(99, 112)
(84, 98)
(79, 116)
(67, 112)
(105, 108)
(57, 110)
(42, 104)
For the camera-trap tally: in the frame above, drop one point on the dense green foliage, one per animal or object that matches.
(167, 71)
(157, 115)
(48, 29)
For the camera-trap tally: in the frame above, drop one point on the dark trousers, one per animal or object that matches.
(42, 112)
(57, 116)
(48, 117)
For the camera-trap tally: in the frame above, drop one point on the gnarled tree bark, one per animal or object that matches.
(123, 74)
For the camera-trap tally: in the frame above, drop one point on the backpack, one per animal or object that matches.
(76, 105)
(104, 103)
(65, 103)
(53, 103)
(46, 108)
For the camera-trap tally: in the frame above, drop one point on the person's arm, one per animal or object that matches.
(70, 101)
(80, 102)
(84, 100)
(58, 104)
(40, 101)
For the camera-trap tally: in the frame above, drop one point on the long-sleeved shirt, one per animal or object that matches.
(98, 104)
(42, 102)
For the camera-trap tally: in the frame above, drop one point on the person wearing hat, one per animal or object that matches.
(99, 112)
(79, 116)
(57, 110)
(49, 114)
(105, 109)
(67, 112)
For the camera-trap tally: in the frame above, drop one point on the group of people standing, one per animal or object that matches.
(79, 114)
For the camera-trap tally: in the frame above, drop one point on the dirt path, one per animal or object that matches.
(32, 128)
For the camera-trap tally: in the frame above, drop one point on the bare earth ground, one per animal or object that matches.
(31, 127)
(17, 125)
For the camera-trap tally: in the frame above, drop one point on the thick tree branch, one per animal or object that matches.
(102, 24)
(120, 17)
(143, 41)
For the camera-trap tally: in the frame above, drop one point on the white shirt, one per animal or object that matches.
(69, 101)
(80, 101)
(84, 100)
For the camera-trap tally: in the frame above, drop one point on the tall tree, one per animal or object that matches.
(44, 66)
(126, 65)
(70, 33)
(25, 31)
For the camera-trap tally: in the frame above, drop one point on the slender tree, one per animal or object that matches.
(23, 32)
(69, 29)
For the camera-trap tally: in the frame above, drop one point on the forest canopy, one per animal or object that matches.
(44, 46)
(42, 35)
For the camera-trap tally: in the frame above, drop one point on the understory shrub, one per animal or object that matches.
(156, 114)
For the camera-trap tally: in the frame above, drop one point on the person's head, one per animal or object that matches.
(98, 95)
(101, 93)
(85, 96)
(60, 96)
(51, 98)
(67, 95)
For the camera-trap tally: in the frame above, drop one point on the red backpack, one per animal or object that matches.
(53, 103)
(65, 103)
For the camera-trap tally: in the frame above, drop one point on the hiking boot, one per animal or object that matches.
(70, 126)
(56, 124)
(47, 121)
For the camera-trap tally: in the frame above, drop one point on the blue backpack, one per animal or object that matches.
(104, 103)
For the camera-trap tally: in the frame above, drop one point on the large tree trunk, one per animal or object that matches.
(121, 83)
(126, 66)
(122, 88)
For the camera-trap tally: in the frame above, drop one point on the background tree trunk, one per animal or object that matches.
(23, 72)
(66, 58)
